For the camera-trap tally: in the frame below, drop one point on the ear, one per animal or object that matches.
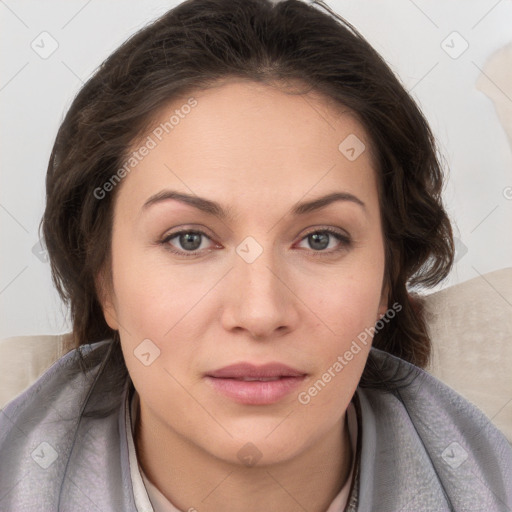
(105, 292)
(384, 303)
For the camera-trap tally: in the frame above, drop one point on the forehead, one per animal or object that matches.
(239, 137)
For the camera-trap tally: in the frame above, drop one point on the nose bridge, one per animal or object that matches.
(255, 266)
(259, 302)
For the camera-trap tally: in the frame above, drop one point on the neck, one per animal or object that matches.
(194, 480)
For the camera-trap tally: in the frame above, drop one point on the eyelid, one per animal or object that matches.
(327, 229)
(169, 236)
(343, 238)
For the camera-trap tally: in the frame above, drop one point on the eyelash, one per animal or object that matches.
(345, 240)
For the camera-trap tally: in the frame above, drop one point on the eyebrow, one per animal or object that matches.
(213, 208)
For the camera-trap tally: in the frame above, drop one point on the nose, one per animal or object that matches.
(258, 299)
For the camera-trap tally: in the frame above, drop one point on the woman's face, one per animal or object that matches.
(269, 273)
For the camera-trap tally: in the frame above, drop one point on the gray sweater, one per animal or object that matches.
(422, 447)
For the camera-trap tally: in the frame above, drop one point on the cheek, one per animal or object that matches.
(349, 312)
(347, 309)
(152, 309)
(150, 298)
(162, 304)
(347, 301)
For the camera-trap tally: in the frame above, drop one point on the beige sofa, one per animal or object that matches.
(471, 326)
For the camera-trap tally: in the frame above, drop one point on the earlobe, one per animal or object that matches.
(384, 302)
(104, 293)
(110, 317)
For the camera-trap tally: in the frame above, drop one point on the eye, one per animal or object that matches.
(322, 239)
(189, 242)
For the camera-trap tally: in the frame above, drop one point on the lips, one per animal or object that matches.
(253, 372)
(249, 384)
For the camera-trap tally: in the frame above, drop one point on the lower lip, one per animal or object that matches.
(256, 392)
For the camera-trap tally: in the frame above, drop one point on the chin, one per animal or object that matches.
(260, 450)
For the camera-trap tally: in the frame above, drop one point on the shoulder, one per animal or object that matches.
(66, 379)
(423, 423)
(50, 435)
(427, 400)
(419, 391)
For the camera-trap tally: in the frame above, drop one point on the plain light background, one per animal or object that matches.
(35, 93)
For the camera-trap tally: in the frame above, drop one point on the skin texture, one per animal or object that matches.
(257, 151)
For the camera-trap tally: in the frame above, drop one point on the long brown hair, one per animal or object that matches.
(193, 47)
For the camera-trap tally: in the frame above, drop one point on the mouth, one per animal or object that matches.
(249, 384)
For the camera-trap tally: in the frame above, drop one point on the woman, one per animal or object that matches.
(238, 203)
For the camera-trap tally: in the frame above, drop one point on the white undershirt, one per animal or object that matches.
(149, 499)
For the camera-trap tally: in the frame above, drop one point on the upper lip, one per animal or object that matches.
(269, 370)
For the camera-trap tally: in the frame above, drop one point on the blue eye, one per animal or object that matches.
(190, 242)
(320, 240)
